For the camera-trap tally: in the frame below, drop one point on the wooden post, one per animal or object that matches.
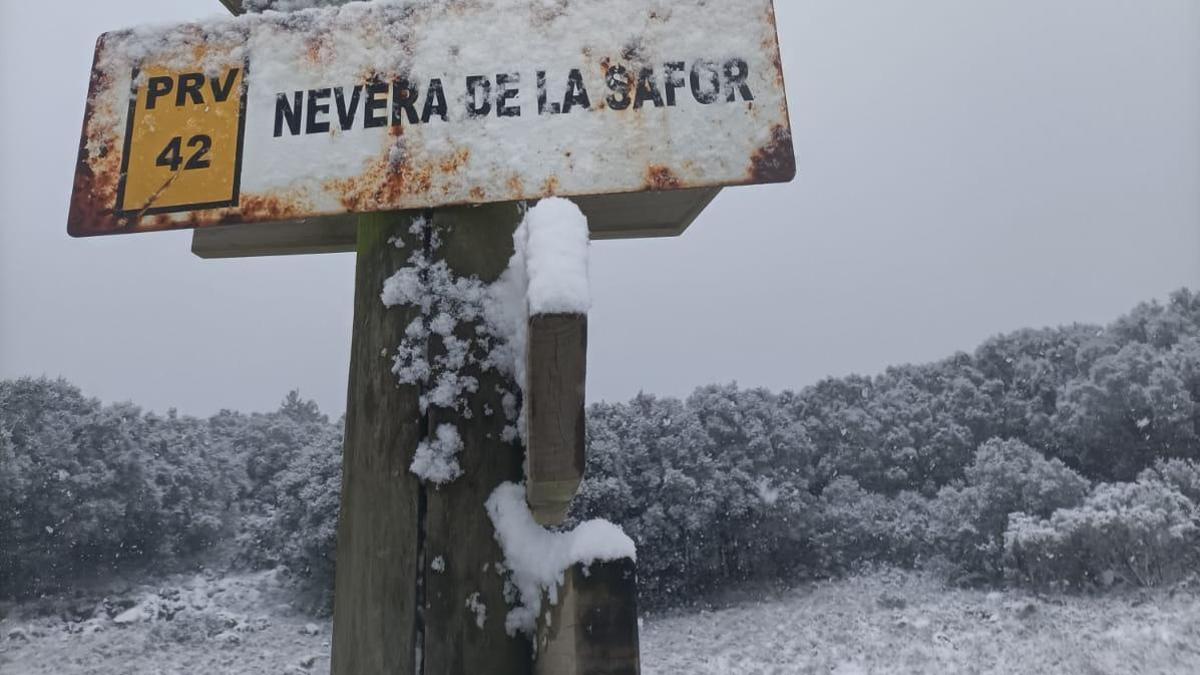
(376, 573)
(593, 629)
(475, 242)
(415, 561)
(554, 404)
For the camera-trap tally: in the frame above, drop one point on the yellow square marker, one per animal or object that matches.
(183, 141)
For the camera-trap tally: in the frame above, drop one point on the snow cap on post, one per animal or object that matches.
(556, 258)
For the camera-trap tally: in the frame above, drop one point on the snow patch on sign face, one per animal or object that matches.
(556, 258)
(537, 558)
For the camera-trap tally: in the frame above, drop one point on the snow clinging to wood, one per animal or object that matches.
(538, 558)
(445, 300)
(475, 604)
(548, 273)
(436, 460)
(557, 258)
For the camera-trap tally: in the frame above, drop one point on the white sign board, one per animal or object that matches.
(408, 104)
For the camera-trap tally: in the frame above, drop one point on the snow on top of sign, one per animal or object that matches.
(556, 256)
(538, 558)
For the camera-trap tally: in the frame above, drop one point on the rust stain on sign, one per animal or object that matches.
(402, 104)
(774, 162)
(661, 178)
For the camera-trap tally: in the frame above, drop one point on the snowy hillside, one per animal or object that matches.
(238, 624)
(893, 623)
(886, 622)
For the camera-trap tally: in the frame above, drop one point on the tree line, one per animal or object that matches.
(1062, 457)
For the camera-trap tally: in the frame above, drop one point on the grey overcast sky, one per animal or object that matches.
(966, 168)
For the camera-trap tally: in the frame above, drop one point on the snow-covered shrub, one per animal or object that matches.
(300, 531)
(712, 490)
(88, 489)
(1182, 474)
(289, 513)
(855, 526)
(1144, 533)
(1134, 406)
(726, 485)
(1007, 476)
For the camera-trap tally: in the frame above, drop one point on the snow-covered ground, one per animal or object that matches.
(891, 622)
(886, 622)
(241, 625)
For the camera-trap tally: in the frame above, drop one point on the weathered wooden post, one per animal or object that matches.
(375, 605)
(465, 609)
(412, 556)
(384, 129)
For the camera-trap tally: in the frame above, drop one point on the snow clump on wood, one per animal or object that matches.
(436, 460)
(475, 604)
(546, 274)
(538, 559)
(445, 300)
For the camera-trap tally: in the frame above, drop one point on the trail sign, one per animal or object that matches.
(268, 133)
(404, 104)
(183, 142)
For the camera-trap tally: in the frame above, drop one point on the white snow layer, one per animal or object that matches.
(506, 316)
(556, 257)
(436, 460)
(538, 558)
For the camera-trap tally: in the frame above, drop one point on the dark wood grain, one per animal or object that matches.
(376, 573)
(593, 629)
(554, 403)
